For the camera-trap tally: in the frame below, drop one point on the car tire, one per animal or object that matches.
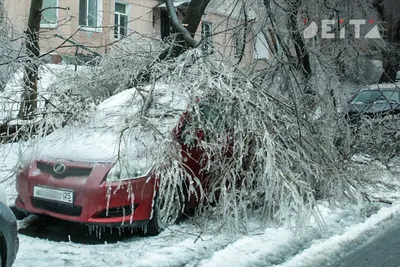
(9, 242)
(164, 217)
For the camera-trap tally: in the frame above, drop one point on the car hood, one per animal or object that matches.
(91, 145)
(118, 129)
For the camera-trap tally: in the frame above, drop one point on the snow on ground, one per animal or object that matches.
(320, 250)
(187, 244)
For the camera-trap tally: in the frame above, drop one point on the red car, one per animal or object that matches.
(78, 176)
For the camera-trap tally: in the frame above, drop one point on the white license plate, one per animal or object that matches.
(66, 196)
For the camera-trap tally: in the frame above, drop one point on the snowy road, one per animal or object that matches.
(379, 251)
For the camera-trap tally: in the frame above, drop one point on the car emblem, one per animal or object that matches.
(59, 168)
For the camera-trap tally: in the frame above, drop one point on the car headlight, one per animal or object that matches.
(122, 173)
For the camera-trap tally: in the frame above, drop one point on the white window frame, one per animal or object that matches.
(239, 39)
(124, 14)
(208, 42)
(99, 23)
(51, 25)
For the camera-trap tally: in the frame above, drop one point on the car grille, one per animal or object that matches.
(70, 171)
(118, 211)
(61, 208)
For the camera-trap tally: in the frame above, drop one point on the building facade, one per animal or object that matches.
(71, 27)
(92, 23)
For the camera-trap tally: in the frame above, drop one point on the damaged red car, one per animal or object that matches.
(102, 173)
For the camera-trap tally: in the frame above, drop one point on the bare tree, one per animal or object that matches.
(282, 159)
(189, 25)
(29, 96)
(184, 39)
(303, 57)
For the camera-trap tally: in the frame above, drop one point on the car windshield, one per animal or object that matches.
(210, 113)
(372, 95)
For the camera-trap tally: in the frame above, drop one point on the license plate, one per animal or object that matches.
(66, 196)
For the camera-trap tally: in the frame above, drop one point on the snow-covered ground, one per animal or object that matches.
(188, 244)
(203, 243)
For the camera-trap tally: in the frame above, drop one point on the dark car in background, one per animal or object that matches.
(8, 233)
(375, 101)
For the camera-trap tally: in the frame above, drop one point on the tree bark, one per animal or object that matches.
(303, 57)
(29, 97)
(190, 23)
(178, 26)
(184, 40)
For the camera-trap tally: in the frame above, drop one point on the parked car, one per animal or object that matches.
(375, 101)
(80, 174)
(8, 233)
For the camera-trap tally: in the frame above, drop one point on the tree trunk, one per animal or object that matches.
(29, 97)
(186, 35)
(190, 23)
(303, 57)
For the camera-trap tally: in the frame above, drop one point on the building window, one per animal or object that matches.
(89, 13)
(206, 37)
(49, 14)
(120, 20)
(166, 26)
(239, 42)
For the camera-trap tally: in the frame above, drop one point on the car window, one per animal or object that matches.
(210, 113)
(371, 95)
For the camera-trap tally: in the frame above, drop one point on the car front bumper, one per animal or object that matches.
(124, 204)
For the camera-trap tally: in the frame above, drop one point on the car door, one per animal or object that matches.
(192, 157)
(191, 137)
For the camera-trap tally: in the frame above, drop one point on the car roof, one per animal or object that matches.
(383, 86)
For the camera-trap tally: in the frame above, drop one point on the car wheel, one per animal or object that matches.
(165, 214)
(8, 236)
